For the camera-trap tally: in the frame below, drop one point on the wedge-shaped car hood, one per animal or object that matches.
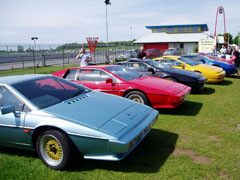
(107, 113)
(208, 68)
(160, 85)
(185, 73)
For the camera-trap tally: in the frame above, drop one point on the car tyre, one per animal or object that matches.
(55, 149)
(138, 97)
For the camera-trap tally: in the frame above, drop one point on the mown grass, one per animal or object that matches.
(197, 140)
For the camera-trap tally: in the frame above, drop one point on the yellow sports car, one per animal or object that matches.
(211, 73)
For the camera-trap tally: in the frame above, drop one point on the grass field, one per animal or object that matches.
(198, 140)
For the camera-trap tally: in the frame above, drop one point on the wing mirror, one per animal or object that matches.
(9, 109)
(109, 80)
(182, 66)
(151, 70)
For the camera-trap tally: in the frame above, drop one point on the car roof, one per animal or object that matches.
(139, 60)
(9, 80)
(171, 57)
(92, 67)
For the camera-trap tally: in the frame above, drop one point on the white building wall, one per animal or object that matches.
(188, 47)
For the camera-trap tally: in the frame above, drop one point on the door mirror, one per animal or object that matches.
(151, 70)
(109, 80)
(9, 109)
(182, 66)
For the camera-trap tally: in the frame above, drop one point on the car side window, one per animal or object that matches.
(104, 76)
(170, 62)
(72, 74)
(177, 63)
(89, 75)
(7, 99)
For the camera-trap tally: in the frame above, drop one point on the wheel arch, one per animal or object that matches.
(42, 129)
(166, 77)
(139, 90)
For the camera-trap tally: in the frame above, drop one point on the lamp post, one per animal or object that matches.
(34, 49)
(131, 33)
(107, 2)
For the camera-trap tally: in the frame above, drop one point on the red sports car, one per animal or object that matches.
(118, 80)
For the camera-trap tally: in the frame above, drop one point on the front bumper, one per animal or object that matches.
(213, 78)
(118, 149)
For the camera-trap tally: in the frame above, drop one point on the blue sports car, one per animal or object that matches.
(59, 119)
(229, 69)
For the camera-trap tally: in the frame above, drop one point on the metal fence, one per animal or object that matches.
(40, 57)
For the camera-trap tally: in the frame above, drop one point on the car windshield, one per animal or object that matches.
(124, 73)
(189, 61)
(159, 65)
(47, 91)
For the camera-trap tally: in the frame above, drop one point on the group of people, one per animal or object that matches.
(234, 52)
(84, 57)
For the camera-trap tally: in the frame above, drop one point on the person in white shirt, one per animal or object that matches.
(84, 57)
(223, 50)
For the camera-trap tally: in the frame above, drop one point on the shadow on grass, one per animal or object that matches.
(148, 157)
(233, 76)
(19, 152)
(205, 91)
(224, 83)
(188, 108)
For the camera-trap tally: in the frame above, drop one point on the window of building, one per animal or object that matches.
(171, 30)
(180, 29)
(163, 30)
(195, 29)
(188, 29)
(157, 30)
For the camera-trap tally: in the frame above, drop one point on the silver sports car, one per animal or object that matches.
(58, 119)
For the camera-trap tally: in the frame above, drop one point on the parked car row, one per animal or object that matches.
(100, 112)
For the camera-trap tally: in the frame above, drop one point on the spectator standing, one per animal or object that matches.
(215, 51)
(84, 57)
(236, 58)
(141, 54)
(223, 50)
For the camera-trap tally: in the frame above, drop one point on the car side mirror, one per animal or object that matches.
(151, 70)
(109, 80)
(182, 66)
(9, 109)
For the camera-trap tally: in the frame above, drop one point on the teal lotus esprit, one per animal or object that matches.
(59, 119)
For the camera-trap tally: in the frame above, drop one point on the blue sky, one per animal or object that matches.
(66, 21)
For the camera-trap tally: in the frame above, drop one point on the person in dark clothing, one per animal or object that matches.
(141, 54)
(237, 59)
(236, 53)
